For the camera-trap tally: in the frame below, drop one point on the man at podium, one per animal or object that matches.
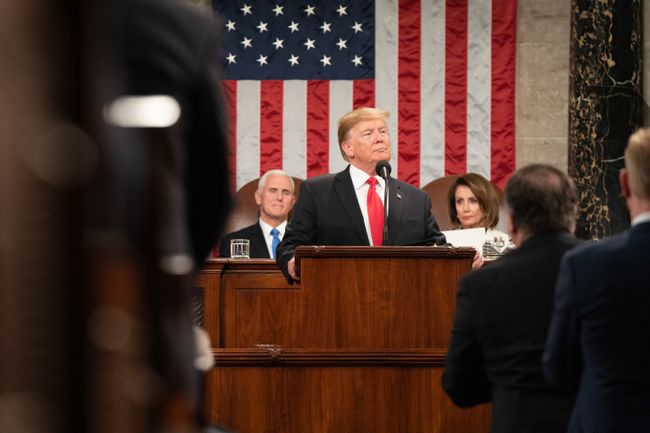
(347, 208)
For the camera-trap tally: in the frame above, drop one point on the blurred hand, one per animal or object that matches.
(291, 266)
(477, 261)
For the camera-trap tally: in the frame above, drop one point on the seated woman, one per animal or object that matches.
(473, 203)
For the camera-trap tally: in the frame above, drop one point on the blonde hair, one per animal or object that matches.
(349, 120)
(637, 162)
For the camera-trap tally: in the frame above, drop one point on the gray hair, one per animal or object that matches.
(264, 178)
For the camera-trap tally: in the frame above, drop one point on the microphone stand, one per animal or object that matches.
(383, 170)
(386, 208)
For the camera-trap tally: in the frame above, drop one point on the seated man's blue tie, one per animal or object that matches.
(275, 242)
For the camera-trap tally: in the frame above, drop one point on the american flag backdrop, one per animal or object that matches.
(444, 69)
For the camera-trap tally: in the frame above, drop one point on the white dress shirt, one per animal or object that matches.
(643, 217)
(360, 183)
(268, 237)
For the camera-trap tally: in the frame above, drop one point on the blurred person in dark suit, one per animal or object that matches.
(275, 198)
(102, 225)
(503, 311)
(599, 340)
(163, 182)
(172, 49)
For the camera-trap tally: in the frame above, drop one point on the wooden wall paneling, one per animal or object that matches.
(259, 306)
(209, 282)
(304, 395)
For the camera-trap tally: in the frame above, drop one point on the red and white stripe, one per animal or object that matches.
(445, 70)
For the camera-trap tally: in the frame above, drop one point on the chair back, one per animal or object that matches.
(245, 211)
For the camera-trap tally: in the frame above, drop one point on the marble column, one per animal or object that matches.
(605, 107)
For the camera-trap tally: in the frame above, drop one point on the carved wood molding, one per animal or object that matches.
(269, 355)
(248, 266)
(314, 251)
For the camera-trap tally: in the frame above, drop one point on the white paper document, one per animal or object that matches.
(466, 238)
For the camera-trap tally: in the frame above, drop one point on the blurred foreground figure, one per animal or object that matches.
(598, 341)
(44, 160)
(113, 189)
(159, 203)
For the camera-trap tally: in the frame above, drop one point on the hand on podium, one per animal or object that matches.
(477, 261)
(291, 267)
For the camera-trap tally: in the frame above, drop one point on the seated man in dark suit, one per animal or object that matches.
(503, 311)
(347, 208)
(599, 340)
(275, 197)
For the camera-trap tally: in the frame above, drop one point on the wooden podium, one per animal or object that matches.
(357, 347)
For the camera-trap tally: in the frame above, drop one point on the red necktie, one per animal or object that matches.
(375, 213)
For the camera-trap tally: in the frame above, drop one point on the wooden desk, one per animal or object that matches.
(357, 347)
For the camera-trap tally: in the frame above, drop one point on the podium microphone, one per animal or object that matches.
(383, 170)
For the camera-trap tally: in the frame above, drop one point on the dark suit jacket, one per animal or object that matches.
(599, 338)
(253, 233)
(502, 315)
(328, 213)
